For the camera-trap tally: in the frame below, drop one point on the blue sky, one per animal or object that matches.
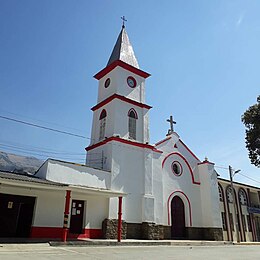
(203, 56)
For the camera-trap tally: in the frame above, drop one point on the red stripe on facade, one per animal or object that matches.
(124, 141)
(88, 233)
(183, 158)
(168, 205)
(124, 65)
(189, 150)
(122, 98)
(206, 162)
(164, 140)
(46, 232)
(56, 232)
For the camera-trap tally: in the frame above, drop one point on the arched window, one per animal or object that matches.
(242, 197)
(220, 193)
(132, 118)
(102, 120)
(229, 194)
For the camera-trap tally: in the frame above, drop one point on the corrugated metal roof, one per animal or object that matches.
(27, 178)
(123, 50)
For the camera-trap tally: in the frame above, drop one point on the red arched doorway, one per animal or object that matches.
(178, 218)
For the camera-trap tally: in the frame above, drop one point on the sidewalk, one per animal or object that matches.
(135, 242)
(124, 242)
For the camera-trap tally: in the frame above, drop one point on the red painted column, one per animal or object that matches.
(119, 227)
(66, 216)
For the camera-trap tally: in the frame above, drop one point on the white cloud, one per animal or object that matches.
(240, 20)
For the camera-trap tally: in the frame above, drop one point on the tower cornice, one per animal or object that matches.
(124, 141)
(122, 98)
(123, 65)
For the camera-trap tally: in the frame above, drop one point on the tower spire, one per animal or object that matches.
(123, 49)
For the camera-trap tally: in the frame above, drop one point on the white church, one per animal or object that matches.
(128, 188)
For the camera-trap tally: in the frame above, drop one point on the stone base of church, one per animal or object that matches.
(196, 233)
(152, 231)
(109, 228)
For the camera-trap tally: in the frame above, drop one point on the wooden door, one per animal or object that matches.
(178, 218)
(16, 213)
(76, 219)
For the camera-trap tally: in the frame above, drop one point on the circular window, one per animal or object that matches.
(176, 168)
(107, 83)
(131, 82)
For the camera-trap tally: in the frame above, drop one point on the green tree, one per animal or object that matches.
(251, 120)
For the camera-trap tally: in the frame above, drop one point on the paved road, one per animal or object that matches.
(44, 252)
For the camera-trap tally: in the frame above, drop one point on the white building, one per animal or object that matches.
(167, 191)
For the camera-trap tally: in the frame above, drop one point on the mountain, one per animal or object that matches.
(17, 163)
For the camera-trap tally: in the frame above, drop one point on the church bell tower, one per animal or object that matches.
(121, 114)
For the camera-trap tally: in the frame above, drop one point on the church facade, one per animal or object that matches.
(170, 191)
(160, 191)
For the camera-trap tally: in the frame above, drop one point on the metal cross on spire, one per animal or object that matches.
(172, 122)
(124, 20)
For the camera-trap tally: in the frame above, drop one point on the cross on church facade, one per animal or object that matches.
(172, 122)
(124, 20)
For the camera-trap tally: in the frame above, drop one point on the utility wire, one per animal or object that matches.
(42, 121)
(248, 177)
(38, 150)
(32, 147)
(45, 155)
(43, 127)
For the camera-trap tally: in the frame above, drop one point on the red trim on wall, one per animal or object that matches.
(168, 205)
(206, 162)
(46, 232)
(119, 224)
(178, 154)
(136, 116)
(189, 150)
(88, 233)
(66, 215)
(103, 114)
(56, 232)
(124, 141)
(164, 140)
(124, 65)
(181, 169)
(122, 98)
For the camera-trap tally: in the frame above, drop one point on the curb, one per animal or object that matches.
(140, 243)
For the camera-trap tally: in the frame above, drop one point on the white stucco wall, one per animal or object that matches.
(74, 174)
(211, 215)
(118, 85)
(49, 204)
(117, 121)
(128, 176)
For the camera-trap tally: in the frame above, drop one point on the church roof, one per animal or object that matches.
(123, 50)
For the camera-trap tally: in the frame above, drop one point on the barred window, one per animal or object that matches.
(244, 222)
(231, 221)
(220, 193)
(132, 118)
(102, 128)
(242, 197)
(224, 223)
(249, 223)
(229, 194)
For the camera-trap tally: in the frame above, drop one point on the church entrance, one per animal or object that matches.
(76, 219)
(16, 213)
(178, 218)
